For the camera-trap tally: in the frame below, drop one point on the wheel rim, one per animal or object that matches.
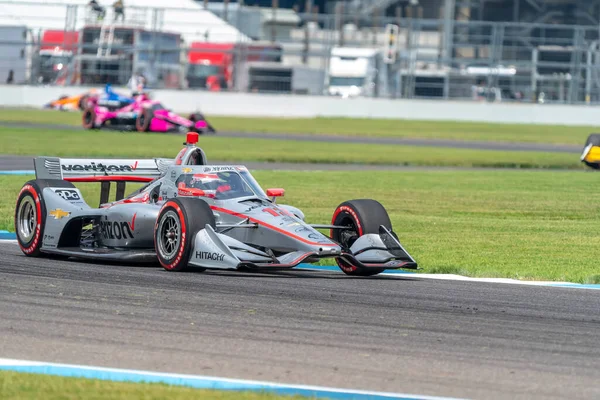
(26, 219)
(169, 235)
(347, 237)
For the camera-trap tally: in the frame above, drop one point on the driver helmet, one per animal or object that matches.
(209, 184)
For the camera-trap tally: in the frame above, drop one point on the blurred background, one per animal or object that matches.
(542, 51)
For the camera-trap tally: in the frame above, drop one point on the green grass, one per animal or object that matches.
(21, 386)
(359, 127)
(28, 141)
(524, 225)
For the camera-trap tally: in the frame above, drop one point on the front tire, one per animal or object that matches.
(199, 117)
(362, 217)
(178, 222)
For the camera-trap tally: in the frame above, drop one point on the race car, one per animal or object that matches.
(191, 214)
(108, 98)
(591, 151)
(143, 115)
(72, 103)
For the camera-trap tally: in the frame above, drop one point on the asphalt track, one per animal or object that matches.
(401, 334)
(456, 144)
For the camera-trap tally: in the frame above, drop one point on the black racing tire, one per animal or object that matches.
(362, 216)
(181, 219)
(30, 214)
(82, 103)
(88, 118)
(143, 120)
(196, 117)
(200, 117)
(594, 140)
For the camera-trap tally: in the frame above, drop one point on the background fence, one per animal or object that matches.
(249, 49)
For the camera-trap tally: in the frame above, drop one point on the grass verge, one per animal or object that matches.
(460, 131)
(22, 386)
(28, 141)
(523, 225)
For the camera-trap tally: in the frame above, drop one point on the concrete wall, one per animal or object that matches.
(261, 105)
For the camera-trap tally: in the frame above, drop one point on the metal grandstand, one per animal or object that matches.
(486, 50)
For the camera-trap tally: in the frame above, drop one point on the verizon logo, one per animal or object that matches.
(100, 167)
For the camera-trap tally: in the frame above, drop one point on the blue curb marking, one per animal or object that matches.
(21, 172)
(575, 285)
(333, 268)
(202, 382)
(6, 235)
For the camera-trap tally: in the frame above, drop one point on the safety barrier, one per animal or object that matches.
(299, 106)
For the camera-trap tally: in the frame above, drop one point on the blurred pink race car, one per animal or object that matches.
(143, 115)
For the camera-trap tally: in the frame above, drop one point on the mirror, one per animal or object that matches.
(275, 192)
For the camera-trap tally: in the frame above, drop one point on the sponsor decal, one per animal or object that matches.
(59, 214)
(303, 229)
(132, 223)
(68, 194)
(247, 210)
(117, 230)
(186, 170)
(49, 238)
(173, 174)
(217, 169)
(395, 263)
(207, 255)
(313, 234)
(100, 167)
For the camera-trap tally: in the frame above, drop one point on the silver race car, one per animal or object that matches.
(192, 214)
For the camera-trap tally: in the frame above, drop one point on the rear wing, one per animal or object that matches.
(101, 170)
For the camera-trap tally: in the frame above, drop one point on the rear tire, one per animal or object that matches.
(362, 217)
(143, 120)
(178, 222)
(30, 214)
(594, 140)
(88, 118)
(199, 117)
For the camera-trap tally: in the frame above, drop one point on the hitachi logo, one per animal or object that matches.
(99, 167)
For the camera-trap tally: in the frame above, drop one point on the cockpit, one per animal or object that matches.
(219, 185)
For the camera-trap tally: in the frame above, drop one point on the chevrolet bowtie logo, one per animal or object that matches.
(187, 170)
(58, 213)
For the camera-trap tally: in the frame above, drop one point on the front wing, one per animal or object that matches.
(217, 250)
